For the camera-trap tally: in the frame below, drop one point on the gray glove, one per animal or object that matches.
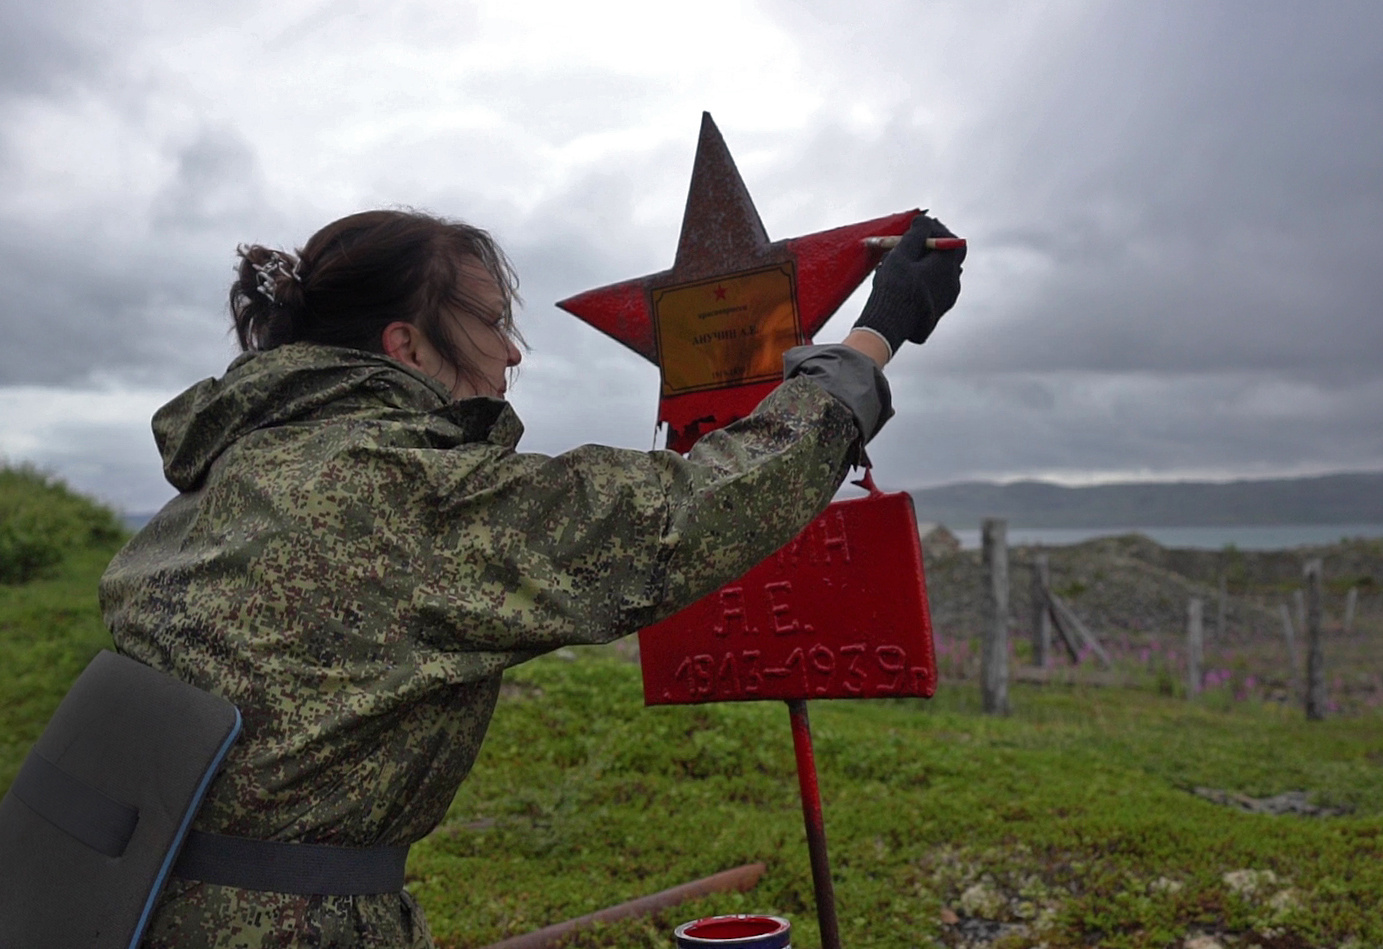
(913, 286)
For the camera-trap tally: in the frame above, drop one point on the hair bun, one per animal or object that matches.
(267, 300)
(271, 268)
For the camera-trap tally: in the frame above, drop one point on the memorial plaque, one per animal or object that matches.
(839, 612)
(729, 331)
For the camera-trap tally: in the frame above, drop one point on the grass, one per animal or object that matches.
(1072, 818)
(41, 519)
(49, 630)
(1068, 823)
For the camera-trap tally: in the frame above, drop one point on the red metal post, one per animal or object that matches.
(816, 827)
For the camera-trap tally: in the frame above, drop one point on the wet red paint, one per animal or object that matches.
(734, 927)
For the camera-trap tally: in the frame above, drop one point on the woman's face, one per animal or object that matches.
(481, 335)
(483, 338)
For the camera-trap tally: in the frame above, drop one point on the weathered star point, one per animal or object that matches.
(722, 236)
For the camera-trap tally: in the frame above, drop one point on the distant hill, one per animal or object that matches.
(1330, 499)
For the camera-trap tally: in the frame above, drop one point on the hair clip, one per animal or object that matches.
(265, 283)
(266, 274)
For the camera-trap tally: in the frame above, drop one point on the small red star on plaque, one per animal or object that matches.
(718, 358)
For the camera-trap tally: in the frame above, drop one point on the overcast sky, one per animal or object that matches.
(1175, 209)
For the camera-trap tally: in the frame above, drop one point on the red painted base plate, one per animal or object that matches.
(840, 612)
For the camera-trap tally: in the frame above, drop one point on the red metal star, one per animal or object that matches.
(722, 238)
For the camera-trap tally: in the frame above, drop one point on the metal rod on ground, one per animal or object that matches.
(1315, 656)
(740, 878)
(1195, 640)
(816, 825)
(1041, 619)
(994, 657)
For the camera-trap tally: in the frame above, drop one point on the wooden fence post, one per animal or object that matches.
(1351, 604)
(1222, 610)
(1315, 656)
(994, 657)
(1293, 661)
(1195, 645)
(1041, 616)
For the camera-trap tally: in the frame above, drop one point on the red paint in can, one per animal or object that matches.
(735, 932)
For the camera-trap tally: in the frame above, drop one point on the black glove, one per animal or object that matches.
(913, 286)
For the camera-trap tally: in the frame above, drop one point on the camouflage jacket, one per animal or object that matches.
(354, 559)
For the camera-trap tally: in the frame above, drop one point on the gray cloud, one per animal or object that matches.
(65, 322)
(1176, 209)
(140, 295)
(1208, 187)
(218, 185)
(46, 47)
(1189, 165)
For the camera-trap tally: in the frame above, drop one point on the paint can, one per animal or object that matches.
(735, 932)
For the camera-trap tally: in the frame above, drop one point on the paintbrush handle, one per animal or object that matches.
(933, 243)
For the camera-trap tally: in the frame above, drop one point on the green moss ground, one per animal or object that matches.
(49, 630)
(1069, 823)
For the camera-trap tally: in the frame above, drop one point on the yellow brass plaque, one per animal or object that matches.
(726, 332)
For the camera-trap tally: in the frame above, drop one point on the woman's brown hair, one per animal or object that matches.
(359, 274)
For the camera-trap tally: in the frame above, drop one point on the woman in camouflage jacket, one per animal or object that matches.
(358, 551)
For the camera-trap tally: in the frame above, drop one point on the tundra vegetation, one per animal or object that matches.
(1091, 815)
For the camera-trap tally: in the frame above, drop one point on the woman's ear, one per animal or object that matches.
(402, 341)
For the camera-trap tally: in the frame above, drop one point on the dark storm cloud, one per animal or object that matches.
(594, 231)
(114, 314)
(112, 284)
(1160, 187)
(139, 296)
(1176, 212)
(1204, 184)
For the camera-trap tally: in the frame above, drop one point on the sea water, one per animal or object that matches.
(1256, 537)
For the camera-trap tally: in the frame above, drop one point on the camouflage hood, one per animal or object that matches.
(302, 381)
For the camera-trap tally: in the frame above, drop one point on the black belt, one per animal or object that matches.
(302, 869)
(106, 825)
